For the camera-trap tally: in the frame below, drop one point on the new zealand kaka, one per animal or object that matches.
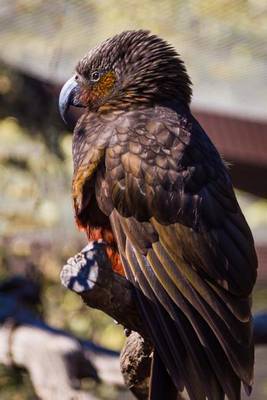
(149, 182)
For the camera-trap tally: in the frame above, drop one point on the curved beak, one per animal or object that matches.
(67, 97)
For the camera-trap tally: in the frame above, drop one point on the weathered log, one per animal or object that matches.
(51, 360)
(90, 275)
(135, 363)
(55, 360)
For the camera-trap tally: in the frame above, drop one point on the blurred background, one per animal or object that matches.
(224, 46)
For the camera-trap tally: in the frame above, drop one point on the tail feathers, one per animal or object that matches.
(161, 385)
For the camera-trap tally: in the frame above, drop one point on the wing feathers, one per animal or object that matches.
(232, 335)
(186, 247)
(177, 361)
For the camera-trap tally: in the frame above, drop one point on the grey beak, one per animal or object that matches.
(66, 97)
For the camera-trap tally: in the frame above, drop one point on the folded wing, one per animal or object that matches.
(186, 247)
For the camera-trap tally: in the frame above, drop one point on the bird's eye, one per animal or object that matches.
(95, 76)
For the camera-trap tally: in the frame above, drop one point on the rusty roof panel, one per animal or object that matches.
(238, 140)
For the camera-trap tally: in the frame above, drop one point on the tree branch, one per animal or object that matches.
(90, 275)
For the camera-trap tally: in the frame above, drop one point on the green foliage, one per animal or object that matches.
(15, 385)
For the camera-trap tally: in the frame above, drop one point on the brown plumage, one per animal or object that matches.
(149, 182)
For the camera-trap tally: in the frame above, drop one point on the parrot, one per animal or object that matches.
(149, 183)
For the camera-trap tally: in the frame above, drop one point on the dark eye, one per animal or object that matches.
(95, 76)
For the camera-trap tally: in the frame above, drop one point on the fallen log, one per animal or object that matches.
(55, 359)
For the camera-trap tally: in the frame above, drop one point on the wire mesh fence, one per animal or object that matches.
(224, 46)
(223, 43)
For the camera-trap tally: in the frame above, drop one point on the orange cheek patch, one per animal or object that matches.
(107, 82)
(100, 89)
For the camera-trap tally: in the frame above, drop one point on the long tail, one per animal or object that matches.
(161, 385)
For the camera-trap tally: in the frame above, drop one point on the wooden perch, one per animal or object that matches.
(55, 360)
(90, 275)
(135, 364)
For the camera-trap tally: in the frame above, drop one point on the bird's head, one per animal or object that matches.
(132, 68)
